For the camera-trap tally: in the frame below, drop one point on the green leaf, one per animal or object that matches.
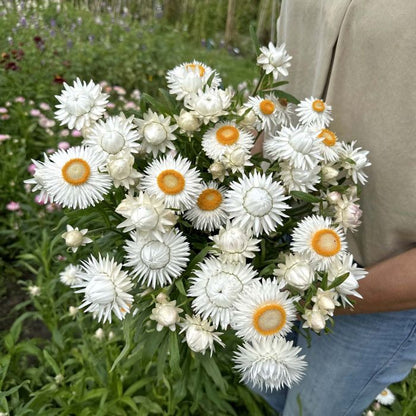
(210, 366)
(174, 357)
(4, 366)
(13, 389)
(152, 407)
(199, 257)
(249, 401)
(138, 385)
(49, 359)
(254, 39)
(128, 336)
(338, 280)
(289, 97)
(94, 394)
(305, 196)
(129, 402)
(180, 286)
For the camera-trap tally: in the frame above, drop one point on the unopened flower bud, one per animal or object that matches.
(333, 197)
(329, 173)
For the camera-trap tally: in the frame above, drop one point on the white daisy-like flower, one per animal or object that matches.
(296, 271)
(209, 104)
(234, 244)
(216, 286)
(106, 288)
(354, 160)
(75, 238)
(208, 214)
(275, 60)
(120, 168)
(80, 105)
(70, 275)
(38, 181)
(157, 261)
(173, 180)
(298, 179)
(386, 397)
(146, 214)
(269, 111)
(73, 178)
(297, 145)
(256, 202)
(329, 145)
(156, 132)
(189, 77)
(313, 112)
(345, 264)
(200, 334)
(187, 122)
(236, 159)
(166, 314)
(113, 135)
(270, 363)
(263, 310)
(224, 135)
(316, 238)
(249, 120)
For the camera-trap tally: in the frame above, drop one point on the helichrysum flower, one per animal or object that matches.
(296, 271)
(386, 397)
(269, 111)
(157, 261)
(166, 314)
(326, 300)
(263, 309)
(75, 238)
(347, 214)
(174, 181)
(70, 275)
(216, 286)
(256, 202)
(314, 319)
(313, 112)
(275, 60)
(298, 179)
(317, 239)
(329, 144)
(81, 104)
(200, 335)
(120, 168)
(189, 77)
(156, 132)
(236, 159)
(187, 122)
(208, 213)
(270, 363)
(105, 287)
(354, 160)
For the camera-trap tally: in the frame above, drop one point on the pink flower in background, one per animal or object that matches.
(4, 137)
(119, 90)
(31, 168)
(129, 105)
(76, 133)
(63, 145)
(60, 257)
(13, 206)
(64, 133)
(46, 123)
(34, 112)
(3, 110)
(44, 106)
(50, 151)
(5, 117)
(111, 105)
(41, 201)
(20, 99)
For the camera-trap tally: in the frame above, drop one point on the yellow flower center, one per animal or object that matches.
(209, 199)
(269, 318)
(76, 171)
(227, 135)
(171, 182)
(318, 106)
(195, 67)
(384, 393)
(267, 107)
(330, 138)
(326, 242)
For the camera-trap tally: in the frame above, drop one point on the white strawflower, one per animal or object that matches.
(80, 105)
(234, 245)
(275, 60)
(262, 310)
(174, 181)
(209, 104)
(298, 179)
(256, 202)
(34, 290)
(73, 178)
(208, 214)
(156, 132)
(354, 160)
(317, 239)
(69, 276)
(106, 288)
(113, 135)
(386, 397)
(313, 112)
(269, 111)
(223, 136)
(347, 214)
(166, 314)
(329, 145)
(157, 261)
(218, 171)
(38, 182)
(326, 301)
(120, 168)
(75, 238)
(146, 214)
(296, 271)
(249, 117)
(329, 174)
(236, 159)
(216, 286)
(200, 335)
(314, 319)
(270, 363)
(296, 145)
(187, 122)
(189, 77)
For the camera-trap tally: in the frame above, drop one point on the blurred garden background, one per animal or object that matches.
(54, 359)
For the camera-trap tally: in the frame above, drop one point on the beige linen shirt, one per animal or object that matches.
(360, 56)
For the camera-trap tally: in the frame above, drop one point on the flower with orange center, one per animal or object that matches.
(174, 181)
(264, 309)
(320, 241)
(318, 106)
(329, 145)
(224, 136)
(314, 112)
(268, 111)
(74, 177)
(196, 68)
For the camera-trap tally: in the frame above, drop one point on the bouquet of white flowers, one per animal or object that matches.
(193, 233)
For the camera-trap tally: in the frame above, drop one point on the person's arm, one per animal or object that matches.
(389, 286)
